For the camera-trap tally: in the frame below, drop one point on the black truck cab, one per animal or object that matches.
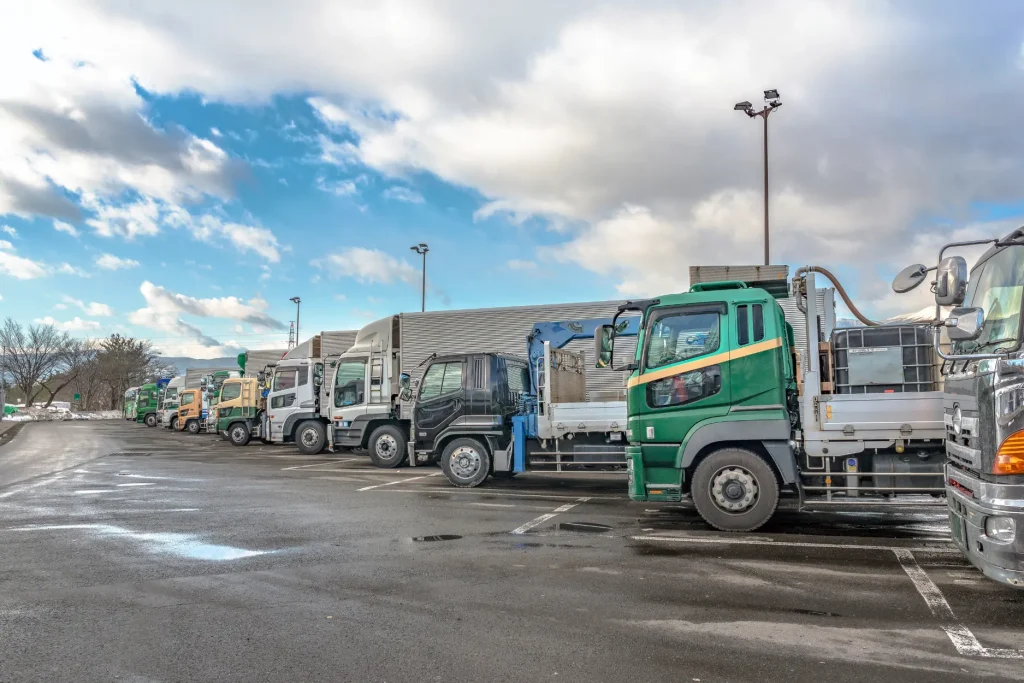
(463, 411)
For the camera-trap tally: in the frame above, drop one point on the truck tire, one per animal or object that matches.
(311, 437)
(193, 426)
(466, 462)
(174, 423)
(238, 434)
(151, 420)
(734, 489)
(387, 447)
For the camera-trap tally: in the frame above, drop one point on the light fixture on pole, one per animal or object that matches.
(298, 304)
(422, 249)
(771, 98)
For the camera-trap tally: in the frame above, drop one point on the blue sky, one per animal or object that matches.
(164, 174)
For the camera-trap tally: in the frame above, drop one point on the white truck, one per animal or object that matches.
(168, 411)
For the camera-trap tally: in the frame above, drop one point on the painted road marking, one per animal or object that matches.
(397, 481)
(491, 492)
(141, 483)
(543, 518)
(965, 642)
(44, 482)
(791, 544)
(318, 464)
(963, 639)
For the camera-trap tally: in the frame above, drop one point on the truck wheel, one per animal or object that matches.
(192, 426)
(239, 434)
(466, 462)
(174, 423)
(311, 437)
(151, 420)
(735, 490)
(387, 447)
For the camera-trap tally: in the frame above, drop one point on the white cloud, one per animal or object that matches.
(600, 116)
(215, 132)
(68, 269)
(402, 194)
(341, 188)
(92, 308)
(111, 262)
(18, 267)
(61, 226)
(519, 264)
(76, 324)
(165, 311)
(60, 307)
(9, 230)
(265, 275)
(369, 266)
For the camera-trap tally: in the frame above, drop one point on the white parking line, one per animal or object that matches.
(44, 482)
(317, 464)
(397, 481)
(788, 544)
(491, 492)
(543, 518)
(963, 639)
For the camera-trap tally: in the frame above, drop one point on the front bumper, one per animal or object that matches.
(968, 510)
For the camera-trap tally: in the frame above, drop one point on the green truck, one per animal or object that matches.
(147, 404)
(723, 406)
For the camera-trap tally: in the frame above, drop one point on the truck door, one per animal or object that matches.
(282, 401)
(441, 401)
(755, 366)
(684, 376)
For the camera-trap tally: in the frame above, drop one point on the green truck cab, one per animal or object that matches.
(710, 396)
(147, 404)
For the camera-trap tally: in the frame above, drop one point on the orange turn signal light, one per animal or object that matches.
(1010, 456)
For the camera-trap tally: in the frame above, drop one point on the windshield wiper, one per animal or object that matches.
(1004, 340)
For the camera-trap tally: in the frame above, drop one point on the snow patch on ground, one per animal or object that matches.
(49, 415)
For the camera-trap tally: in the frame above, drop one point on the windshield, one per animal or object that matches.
(284, 379)
(680, 336)
(995, 287)
(230, 391)
(170, 394)
(188, 398)
(130, 395)
(349, 382)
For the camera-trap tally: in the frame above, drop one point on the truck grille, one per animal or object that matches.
(962, 448)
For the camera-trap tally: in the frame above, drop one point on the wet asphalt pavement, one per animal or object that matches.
(134, 554)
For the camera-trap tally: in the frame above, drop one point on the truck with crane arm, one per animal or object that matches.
(726, 408)
(983, 398)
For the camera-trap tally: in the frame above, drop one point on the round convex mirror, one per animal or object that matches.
(909, 278)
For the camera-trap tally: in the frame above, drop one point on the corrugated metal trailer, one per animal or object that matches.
(193, 375)
(258, 359)
(331, 343)
(504, 330)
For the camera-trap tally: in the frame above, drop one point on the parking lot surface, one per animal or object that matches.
(135, 554)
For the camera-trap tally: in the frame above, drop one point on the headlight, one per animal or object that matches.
(1001, 529)
(1010, 400)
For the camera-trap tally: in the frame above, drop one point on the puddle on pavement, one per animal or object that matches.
(438, 537)
(182, 545)
(583, 527)
(814, 613)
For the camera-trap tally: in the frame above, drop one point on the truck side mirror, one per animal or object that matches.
(951, 281)
(964, 324)
(318, 374)
(909, 278)
(405, 380)
(604, 346)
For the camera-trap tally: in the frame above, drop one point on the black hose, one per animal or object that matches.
(839, 288)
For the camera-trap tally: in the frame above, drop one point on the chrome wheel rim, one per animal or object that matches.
(309, 437)
(386, 447)
(465, 462)
(734, 489)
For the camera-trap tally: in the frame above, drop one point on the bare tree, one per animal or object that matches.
(31, 356)
(123, 362)
(74, 358)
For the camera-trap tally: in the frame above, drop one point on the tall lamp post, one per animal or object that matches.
(771, 98)
(422, 249)
(298, 304)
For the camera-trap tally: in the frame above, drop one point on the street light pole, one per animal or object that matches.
(422, 249)
(298, 305)
(771, 98)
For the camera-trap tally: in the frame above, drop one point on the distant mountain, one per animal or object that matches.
(183, 363)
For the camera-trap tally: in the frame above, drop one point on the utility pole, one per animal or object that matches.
(771, 98)
(422, 248)
(291, 334)
(298, 304)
